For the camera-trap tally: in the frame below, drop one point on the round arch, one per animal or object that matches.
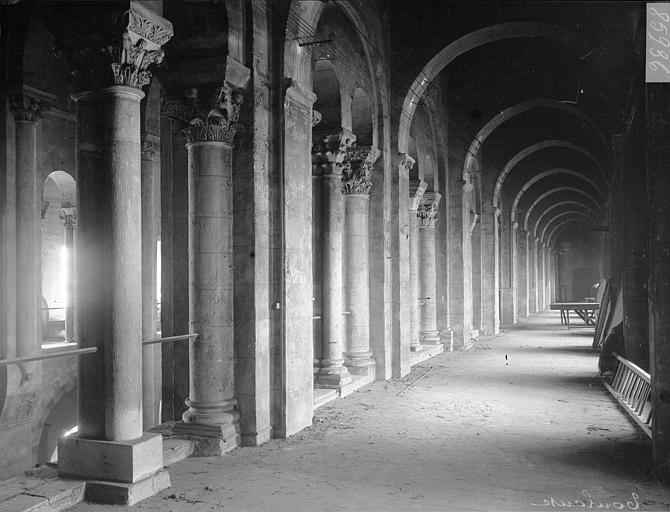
(552, 172)
(468, 42)
(555, 233)
(530, 150)
(571, 204)
(511, 112)
(551, 221)
(553, 191)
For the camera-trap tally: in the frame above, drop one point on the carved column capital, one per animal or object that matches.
(44, 208)
(201, 121)
(26, 107)
(407, 163)
(68, 214)
(416, 190)
(357, 171)
(427, 211)
(149, 148)
(105, 46)
(329, 151)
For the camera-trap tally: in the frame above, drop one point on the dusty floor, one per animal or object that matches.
(520, 422)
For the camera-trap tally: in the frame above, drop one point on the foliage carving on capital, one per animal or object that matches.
(97, 40)
(416, 190)
(357, 175)
(329, 152)
(68, 214)
(428, 209)
(199, 123)
(27, 108)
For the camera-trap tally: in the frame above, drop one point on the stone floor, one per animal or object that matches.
(519, 422)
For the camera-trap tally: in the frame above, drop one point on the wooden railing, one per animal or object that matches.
(631, 386)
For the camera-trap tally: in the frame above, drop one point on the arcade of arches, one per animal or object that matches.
(311, 196)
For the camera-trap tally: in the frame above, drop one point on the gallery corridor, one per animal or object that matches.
(519, 422)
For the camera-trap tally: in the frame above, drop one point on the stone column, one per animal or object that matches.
(356, 185)
(111, 447)
(540, 276)
(151, 393)
(27, 111)
(68, 214)
(416, 191)
(427, 214)
(212, 416)
(329, 154)
(522, 273)
(506, 274)
(532, 273)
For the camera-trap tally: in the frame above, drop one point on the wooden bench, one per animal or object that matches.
(631, 386)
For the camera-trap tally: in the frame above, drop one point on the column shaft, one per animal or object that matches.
(332, 372)
(415, 293)
(109, 252)
(28, 334)
(70, 282)
(211, 395)
(150, 392)
(522, 274)
(358, 356)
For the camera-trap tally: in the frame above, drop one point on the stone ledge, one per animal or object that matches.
(426, 352)
(323, 395)
(357, 383)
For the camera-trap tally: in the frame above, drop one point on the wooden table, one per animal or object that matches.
(584, 310)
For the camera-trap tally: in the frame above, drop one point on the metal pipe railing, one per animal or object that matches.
(61, 353)
(169, 339)
(88, 350)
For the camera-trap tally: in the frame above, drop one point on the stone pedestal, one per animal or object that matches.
(356, 185)
(212, 412)
(416, 190)
(427, 215)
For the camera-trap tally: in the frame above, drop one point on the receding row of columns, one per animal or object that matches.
(343, 180)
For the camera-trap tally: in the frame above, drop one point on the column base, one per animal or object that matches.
(332, 376)
(118, 493)
(415, 346)
(116, 473)
(430, 337)
(209, 440)
(360, 363)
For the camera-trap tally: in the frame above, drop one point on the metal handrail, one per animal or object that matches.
(169, 339)
(61, 353)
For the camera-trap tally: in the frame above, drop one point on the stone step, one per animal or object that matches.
(40, 491)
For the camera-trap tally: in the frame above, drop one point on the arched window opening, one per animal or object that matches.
(361, 117)
(59, 214)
